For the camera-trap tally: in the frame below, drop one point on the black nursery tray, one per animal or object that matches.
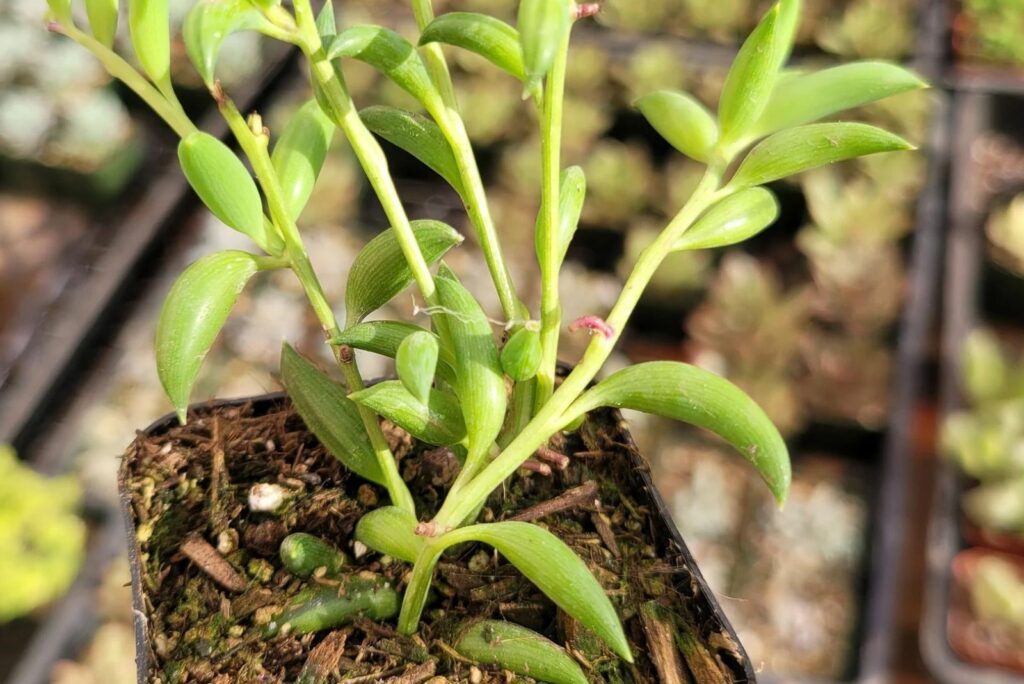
(975, 293)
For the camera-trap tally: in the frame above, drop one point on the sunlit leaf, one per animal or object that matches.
(520, 650)
(300, 152)
(61, 10)
(303, 554)
(479, 383)
(736, 218)
(684, 122)
(380, 271)
(329, 414)
(209, 23)
(571, 196)
(416, 362)
(392, 55)
(487, 36)
(699, 397)
(102, 20)
(806, 98)
(326, 22)
(390, 530)
(150, 26)
(806, 147)
(438, 421)
(753, 75)
(417, 135)
(192, 316)
(225, 186)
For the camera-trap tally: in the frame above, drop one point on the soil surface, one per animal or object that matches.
(212, 579)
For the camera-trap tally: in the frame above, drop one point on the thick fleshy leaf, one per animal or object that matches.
(209, 23)
(521, 355)
(326, 22)
(520, 650)
(392, 531)
(681, 120)
(806, 147)
(225, 186)
(385, 337)
(736, 218)
(304, 554)
(416, 363)
(417, 135)
(321, 607)
(438, 421)
(150, 26)
(542, 28)
(193, 314)
(560, 574)
(329, 414)
(479, 382)
(753, 74)
(491, 38)
(571, 196)
(102, 20)
(300, 152)
(380, 271)
(699, 397)
(809, 97)
(392, 55)
(61, 10)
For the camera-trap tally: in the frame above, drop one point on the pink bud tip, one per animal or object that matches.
(593, 324)
(587, 9)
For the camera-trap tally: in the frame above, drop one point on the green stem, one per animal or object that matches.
(548, 238)
(339, 106)
(255, 147)
(170, 111)
(550, 418)
(447, 116)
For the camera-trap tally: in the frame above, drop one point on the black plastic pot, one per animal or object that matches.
(976, 114)
(701, 604)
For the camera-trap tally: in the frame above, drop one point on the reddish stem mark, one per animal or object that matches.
(587, 9)
(593, 324)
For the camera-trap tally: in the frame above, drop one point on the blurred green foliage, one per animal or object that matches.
(41, 537)
(990, 30)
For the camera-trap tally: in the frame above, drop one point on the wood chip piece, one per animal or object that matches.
(209, 560)
(415, 674)
(663, 651)
(582, 496)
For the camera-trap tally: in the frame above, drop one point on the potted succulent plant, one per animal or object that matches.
(243, 514)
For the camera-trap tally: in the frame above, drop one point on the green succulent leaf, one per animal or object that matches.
(437, 421)
(209, 23)
(326, 606)
(303, 554)
(699, 397)
(519, 650)
(479, 382)
(329, 414)
(521, 355)
(102, 20)
(806, 147)
(61, 11)
(736, 218)
(299, 154)
(380, 271)
(392, 55)
(753, 74)
(806, 98)
(491, 38)
(193, 314)
(417, 135)
(560, 574)
(681, 120)
(326, 22)
(542, 28)
(571, 196)
(416, 363)
(392, 531)
(149, 24)
(225, 187)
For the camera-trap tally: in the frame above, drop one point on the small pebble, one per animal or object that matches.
(359, 549)
(227, 541)
(475, 675)
(480, 562)
(266, 498)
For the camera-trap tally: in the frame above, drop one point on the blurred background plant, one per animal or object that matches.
(987, 437)
(42, 539)
(997, 600)
(990, 30)
(1005, 233)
